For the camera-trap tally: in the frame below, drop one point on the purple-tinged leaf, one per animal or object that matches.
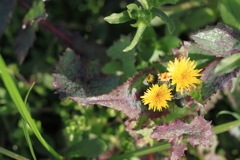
(212, 83)
(193, 50)
(37, 12)
(178, 148)
(125, 98)
(73, 77)
(199, 131)
(142, 135)
(218, 40)
(24, 41)
(6, 7)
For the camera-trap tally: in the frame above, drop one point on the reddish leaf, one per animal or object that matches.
(178, 148)
(125, 98)
(212, 83)
(199, 131)
(218, 40)
(6, 7)
(24, 41)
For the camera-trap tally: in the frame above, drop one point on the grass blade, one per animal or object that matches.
(11, 154)
(17, 99)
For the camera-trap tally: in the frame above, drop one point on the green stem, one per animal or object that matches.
(138, 35)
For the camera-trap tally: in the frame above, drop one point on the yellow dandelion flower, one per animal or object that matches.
(150, 78)
(157, 96)
(183, 74)
(164, 76)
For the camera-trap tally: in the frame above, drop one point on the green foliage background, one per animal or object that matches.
(79, 132)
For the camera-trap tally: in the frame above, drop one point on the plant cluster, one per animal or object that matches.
(146, 86)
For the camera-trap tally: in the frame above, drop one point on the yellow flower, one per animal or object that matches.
(157, 96)
(150, 78)
(183, 74)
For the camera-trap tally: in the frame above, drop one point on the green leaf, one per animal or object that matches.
(147, 43)
(229, 11)
(24, 41)
(218, 40)
(87, 148)
(234, 114)
(117, 18)
(157, 3)
(6, 7)
(36, 12)
(112, 67)
(127, 58)
(133, 11)
(226, 65)
(207, 15)
(165, 18)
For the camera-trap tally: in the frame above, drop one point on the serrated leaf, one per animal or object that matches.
(127, 58)
(36, 12)
(87, 148)
(125, 98)
(192, 50)
(212, 83)
(229, 11)
(6, 7)
(117, 18)
(24, 41)
(178, 147)
(226, 65)
(199, 131)
(73, 77)
(217, 40)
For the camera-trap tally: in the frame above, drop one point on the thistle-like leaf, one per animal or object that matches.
(82, 83)
(73, 77)
(199, 131)
(218, 40)
(125, 98)
(212, 83)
